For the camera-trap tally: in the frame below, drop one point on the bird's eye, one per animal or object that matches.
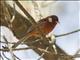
(50, 19)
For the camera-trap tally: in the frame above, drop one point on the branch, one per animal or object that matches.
(8, 42)
(67, 33)
(14, 12)
(42, 53)
(32, 42)
(10, 49)
(16, 57)
(5, 56)
(1, 57)
(42, 50)
(30, 47)
(76, 56)
(31, 19)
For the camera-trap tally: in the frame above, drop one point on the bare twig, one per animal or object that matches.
(17, 57)
(43, 53)
(67, 33)
(8, 42)
(41, 56)
(30, 47)
(18, 49)
(10, 49)
(13, 17)
(55, 49)
(31, 19)
(5, 56)
(32, 42)
(23, 39)
(42, 50)
(1, 57)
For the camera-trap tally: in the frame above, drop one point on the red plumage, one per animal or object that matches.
(46, 25)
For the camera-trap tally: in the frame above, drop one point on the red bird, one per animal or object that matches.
(46, 25)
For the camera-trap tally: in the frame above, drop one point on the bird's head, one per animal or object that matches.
(53, 19)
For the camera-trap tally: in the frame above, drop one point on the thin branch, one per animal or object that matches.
(17, 57)
(32, 42)
(13, 16)
(6, 50)
(31, 19)
(42, 50)
(23, 39)
(43, 53)
(55, 49)
(67, 33)
(14, 12)
(31, 47)
(5, 56)
(10, 49)
(41, 56)
(5, 39)
(1, 56)
(8, 42)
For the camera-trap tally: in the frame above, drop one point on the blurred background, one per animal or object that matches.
(68, 13)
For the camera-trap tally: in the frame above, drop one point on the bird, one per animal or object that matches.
(46, 25)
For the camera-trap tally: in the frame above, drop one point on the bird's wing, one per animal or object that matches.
(40, 23)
